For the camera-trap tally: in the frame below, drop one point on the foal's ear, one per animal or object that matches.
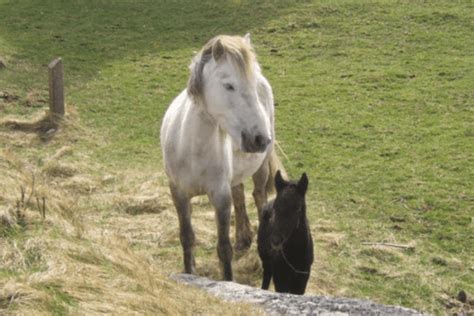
(302, 185)
(217, 50)
(247, 39)
(280, 183)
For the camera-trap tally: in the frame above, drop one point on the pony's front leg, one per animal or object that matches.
(222, 202)
(183, 207)
(243, 230)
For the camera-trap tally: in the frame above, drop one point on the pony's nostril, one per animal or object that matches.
(261, 142)
(254, 144)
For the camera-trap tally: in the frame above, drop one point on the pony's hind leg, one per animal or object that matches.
(263, 179)
(243, 230)
(260, 179)
(183, 207)
(222, 202)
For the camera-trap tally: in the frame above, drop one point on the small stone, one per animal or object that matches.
(440, 261)
(462, 296)
(108, 179)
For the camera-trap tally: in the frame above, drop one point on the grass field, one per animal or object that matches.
(374, 102)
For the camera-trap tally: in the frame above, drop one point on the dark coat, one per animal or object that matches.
(290, 265)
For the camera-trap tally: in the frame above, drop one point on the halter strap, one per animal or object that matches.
(290, 265)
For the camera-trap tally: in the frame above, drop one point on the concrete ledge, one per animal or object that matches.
(289, 304)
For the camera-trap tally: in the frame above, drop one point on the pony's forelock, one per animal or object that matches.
(240, 52)
(236, 48)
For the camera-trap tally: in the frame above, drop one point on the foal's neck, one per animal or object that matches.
(302, 220)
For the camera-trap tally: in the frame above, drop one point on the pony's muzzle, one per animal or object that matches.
(254, 143)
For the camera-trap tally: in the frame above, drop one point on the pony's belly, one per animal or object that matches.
(245, 165)
(198, 176)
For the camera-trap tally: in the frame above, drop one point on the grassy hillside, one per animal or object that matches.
(374, 101)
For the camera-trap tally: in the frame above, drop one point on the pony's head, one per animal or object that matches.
(224, 80)
(289, 207)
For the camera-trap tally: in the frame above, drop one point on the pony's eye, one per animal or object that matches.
(229, 87)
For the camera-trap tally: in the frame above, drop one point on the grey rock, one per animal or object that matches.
(289, 304)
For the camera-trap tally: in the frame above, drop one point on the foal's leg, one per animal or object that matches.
(183, 207)
(260, 179)
(267, 274)
(243, 230)
(222, 202)
(298, 284)
(282, 279)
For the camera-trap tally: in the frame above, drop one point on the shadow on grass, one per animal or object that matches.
(89, 33)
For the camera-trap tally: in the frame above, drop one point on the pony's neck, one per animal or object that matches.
(208, 125)
(204, 115)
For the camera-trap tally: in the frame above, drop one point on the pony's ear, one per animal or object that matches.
(247, 39)
(302, 185)
(280, 183)
(217, 50)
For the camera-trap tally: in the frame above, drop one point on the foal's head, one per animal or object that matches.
(289, 208)
(224, 78)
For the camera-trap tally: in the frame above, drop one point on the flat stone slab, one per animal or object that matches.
(289, 304)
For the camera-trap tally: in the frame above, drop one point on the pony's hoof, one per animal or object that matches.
(190, 271)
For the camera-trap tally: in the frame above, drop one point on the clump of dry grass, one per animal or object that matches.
(248, 268)
(58, 254)
(36, 98)
(135, 205)
(57, 169)
(44, 127)
(138, 193)
(8, 220)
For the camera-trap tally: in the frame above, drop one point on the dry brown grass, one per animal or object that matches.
(110, 238)
(91, 252)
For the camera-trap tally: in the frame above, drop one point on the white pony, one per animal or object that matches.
(215, 134)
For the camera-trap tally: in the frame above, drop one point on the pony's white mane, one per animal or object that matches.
(239, 51)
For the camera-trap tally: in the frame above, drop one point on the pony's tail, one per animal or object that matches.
(275, 164)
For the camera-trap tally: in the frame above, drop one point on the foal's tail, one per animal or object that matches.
(275, 164)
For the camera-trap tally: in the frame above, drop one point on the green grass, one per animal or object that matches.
(374, 102)
(61, 301)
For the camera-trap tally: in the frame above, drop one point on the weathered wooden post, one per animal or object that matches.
(56, 87)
